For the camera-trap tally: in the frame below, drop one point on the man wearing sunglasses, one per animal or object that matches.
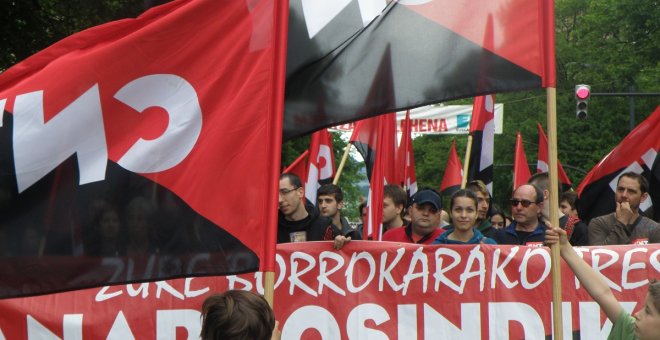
(526, 208)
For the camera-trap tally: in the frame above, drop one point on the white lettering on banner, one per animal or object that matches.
(324, 273)
(161, 286)
(311, 317)
(439, 275)
(654, 260)
(71, 328)
(437, 326)
(475, 255)
(294, 278)
(500, 314)
(167, 321)
(120, 329)
(498, 270)
(351, 269)
(386, 271)
(422, 259)
(627, 267)
(39, 146)
(407, 328)
(355, 323)
(523, 267)
(590, 325)
(596, 257)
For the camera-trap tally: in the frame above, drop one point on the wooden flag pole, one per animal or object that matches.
(269, 287)
(555, 258)
(343, 162)
(466, 163)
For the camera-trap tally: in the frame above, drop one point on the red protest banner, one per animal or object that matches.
(367, 289)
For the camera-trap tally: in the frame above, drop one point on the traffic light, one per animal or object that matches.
(582, 94)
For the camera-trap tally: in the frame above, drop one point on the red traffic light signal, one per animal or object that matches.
(582, 94)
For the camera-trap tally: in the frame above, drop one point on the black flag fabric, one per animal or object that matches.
(438, 50)
(636, 152)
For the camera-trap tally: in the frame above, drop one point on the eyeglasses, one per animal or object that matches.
(525, 203)
(286, 191)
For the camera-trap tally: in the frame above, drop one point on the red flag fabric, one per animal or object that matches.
(637, 152)
(152, 125)
(451, 180)
(542, 163)
(406, 158)
(383, 167)
(332, 64)
(321, 163)
(367, 140)
(521, 173)
(482, 130)
(299, 165)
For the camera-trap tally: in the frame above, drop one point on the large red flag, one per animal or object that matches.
(451, 180)
(482, 130)
(521, 173)
(542, 163)
(406, 158)
(321, 163)
(157, 138)
(335, 55)
(298, 166)
(637, 152)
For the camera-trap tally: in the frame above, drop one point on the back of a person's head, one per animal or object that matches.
(237, 315)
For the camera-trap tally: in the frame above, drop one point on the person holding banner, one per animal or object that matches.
(643, 325)
(463, 229)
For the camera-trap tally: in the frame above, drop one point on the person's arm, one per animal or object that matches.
(589, 278)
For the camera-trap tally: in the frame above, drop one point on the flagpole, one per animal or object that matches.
(555, 258)
(343, 162)
(280, 32)
(466, 162)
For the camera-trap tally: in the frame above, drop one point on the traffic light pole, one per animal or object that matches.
(631, 96)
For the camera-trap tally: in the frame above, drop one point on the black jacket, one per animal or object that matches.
(315, 227)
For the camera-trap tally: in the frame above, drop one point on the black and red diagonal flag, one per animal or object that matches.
(335, 52)
(451, 180)
(124, 147)
(482, 130)
(637, 152)
(542, 163)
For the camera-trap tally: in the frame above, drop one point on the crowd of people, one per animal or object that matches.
(470, 219)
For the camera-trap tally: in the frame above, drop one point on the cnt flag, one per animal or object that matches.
(125, 145)
(341, 52)
(406, 158)
(451, 181)
(542, 163)
(482, 130)
(637, 152)
(321, 163)
(521, 171)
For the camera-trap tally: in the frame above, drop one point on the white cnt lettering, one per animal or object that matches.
(40, 147)
(179, 99)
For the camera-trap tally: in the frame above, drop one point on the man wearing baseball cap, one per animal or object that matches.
(425, 215)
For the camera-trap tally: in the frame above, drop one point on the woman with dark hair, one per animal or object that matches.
(498, 219)
(463, 228)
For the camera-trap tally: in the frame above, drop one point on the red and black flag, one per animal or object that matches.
(367, 139)
(320, 165)
(521, 173)
(542, 163)
(383, 171)
(406, 158)
(637, 152)
(482, 130)
(144, 149)
(338, 56)
(451, 180)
